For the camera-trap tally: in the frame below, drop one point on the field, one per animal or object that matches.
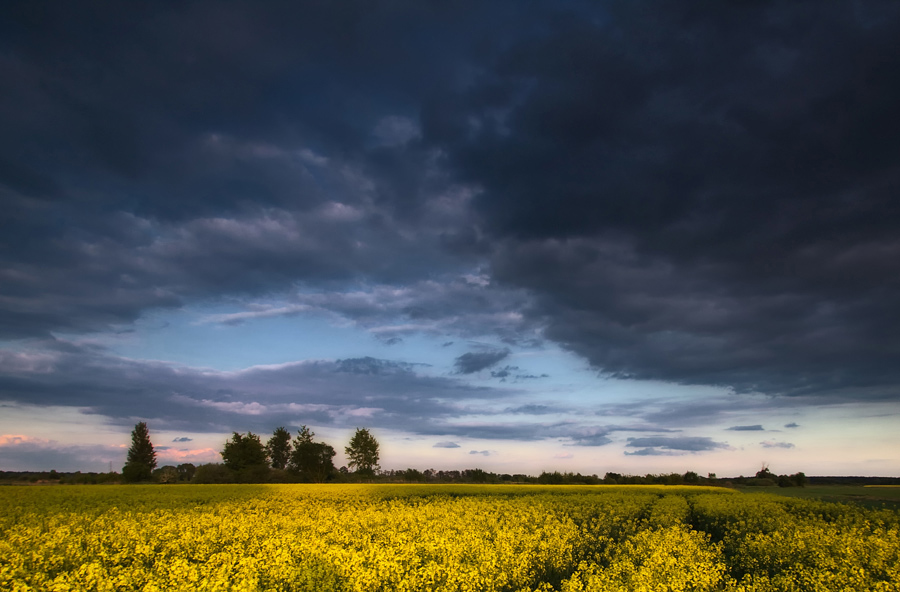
(872, 496)
(465, 538)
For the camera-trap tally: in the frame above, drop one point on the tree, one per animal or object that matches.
(279, 448)
(244, 452)
(141, 458)
(186, 471)
(765, 473)
(167, 474)
(213, 473)
(363, 452)
(311, 460)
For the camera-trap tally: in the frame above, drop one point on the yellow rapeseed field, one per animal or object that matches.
(419, 537)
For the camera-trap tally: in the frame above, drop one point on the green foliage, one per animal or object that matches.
(186, 471)
(141, 458)
(244, 453)
(691, 477)
(669, 510)
(132, 473)
(312, 461)
(363, 452)
(554, 478)
(213, 473)
(557, 478)
(414, 475)
(278, 448)
(166, 474)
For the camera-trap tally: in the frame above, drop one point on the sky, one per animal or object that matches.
(627, 236)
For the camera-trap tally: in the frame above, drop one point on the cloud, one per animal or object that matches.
(513, 372)
(679, 443)
(372, 366)
(651, 248)
(555, 180)
(19, 440)
(199, 455)
(261, 312)
(489, 430)
(439, 306)
(746, 428)
(386, 393)
(446, 444)
(20, 452)
(532, 409)
(395, 130)
(791, 425)
(592, 436)
(773, 444)
(481, 452)
(183, 439)
(651, 452)
(711, 407)
(503, 373)
(472, 362)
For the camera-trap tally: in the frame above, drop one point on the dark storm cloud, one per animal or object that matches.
(472, 362)
(746, 428)
(704, 196)
(128, 91)
(699, 196)
(153, 155)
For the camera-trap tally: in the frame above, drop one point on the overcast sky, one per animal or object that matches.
(580, 236)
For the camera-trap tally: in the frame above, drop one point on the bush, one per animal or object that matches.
(213, 473)
(133, 473)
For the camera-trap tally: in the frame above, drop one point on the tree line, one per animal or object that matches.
(246, 459)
